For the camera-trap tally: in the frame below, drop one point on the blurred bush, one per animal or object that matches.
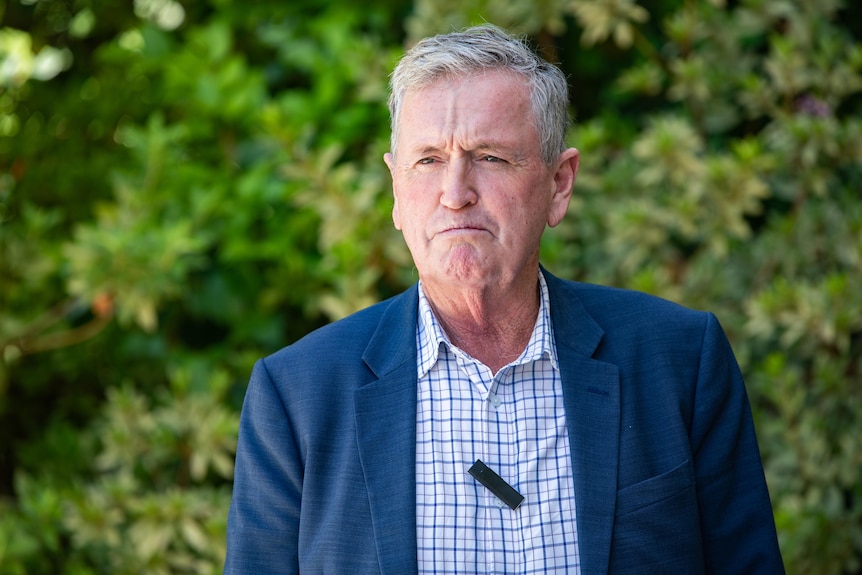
(185, 187)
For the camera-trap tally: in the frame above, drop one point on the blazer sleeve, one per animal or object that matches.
(736, 516)
(263, 522)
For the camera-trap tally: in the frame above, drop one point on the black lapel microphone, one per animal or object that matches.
(495, 484)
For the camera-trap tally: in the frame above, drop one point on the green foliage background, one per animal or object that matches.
(187, 186)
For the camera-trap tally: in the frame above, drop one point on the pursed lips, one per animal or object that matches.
(461, 229)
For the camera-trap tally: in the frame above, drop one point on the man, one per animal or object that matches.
(617, 423)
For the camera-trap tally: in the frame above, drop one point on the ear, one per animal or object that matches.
(389, 159)
(564, 181)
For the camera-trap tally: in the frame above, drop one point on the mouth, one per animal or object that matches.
(461, 230)
(464, 226)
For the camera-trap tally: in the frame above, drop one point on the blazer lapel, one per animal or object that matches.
(591, 394)
(386, 434)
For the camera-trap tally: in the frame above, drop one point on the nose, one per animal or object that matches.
(458, 190)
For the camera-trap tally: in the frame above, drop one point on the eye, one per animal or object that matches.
(492, 159)
(426, 161)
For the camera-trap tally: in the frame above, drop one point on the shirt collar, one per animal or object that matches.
(431, 337)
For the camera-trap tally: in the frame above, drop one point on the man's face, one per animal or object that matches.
(472, 193)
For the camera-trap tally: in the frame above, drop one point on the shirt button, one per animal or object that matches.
(495, 400)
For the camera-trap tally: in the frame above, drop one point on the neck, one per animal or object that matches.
(493, 324)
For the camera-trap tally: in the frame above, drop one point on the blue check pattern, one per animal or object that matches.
(515, 422)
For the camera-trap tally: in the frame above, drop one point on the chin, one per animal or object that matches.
(463, 265)
(469, 272)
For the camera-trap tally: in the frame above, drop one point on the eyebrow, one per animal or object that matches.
(511, 149)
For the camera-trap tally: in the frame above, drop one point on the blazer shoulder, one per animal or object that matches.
(616, 323)
(346, 338)
(610, 306)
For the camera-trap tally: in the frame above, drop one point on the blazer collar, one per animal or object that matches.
(386, 427)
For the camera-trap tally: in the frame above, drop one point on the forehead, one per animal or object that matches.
(484, 104)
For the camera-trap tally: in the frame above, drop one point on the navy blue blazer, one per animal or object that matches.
(668, 476)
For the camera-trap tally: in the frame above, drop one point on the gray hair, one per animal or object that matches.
(478, 49)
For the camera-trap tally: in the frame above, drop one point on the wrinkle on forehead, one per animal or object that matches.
(452, 113)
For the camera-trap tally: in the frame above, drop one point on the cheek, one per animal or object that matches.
(528, 217)
(412, 203)
(408, 217)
